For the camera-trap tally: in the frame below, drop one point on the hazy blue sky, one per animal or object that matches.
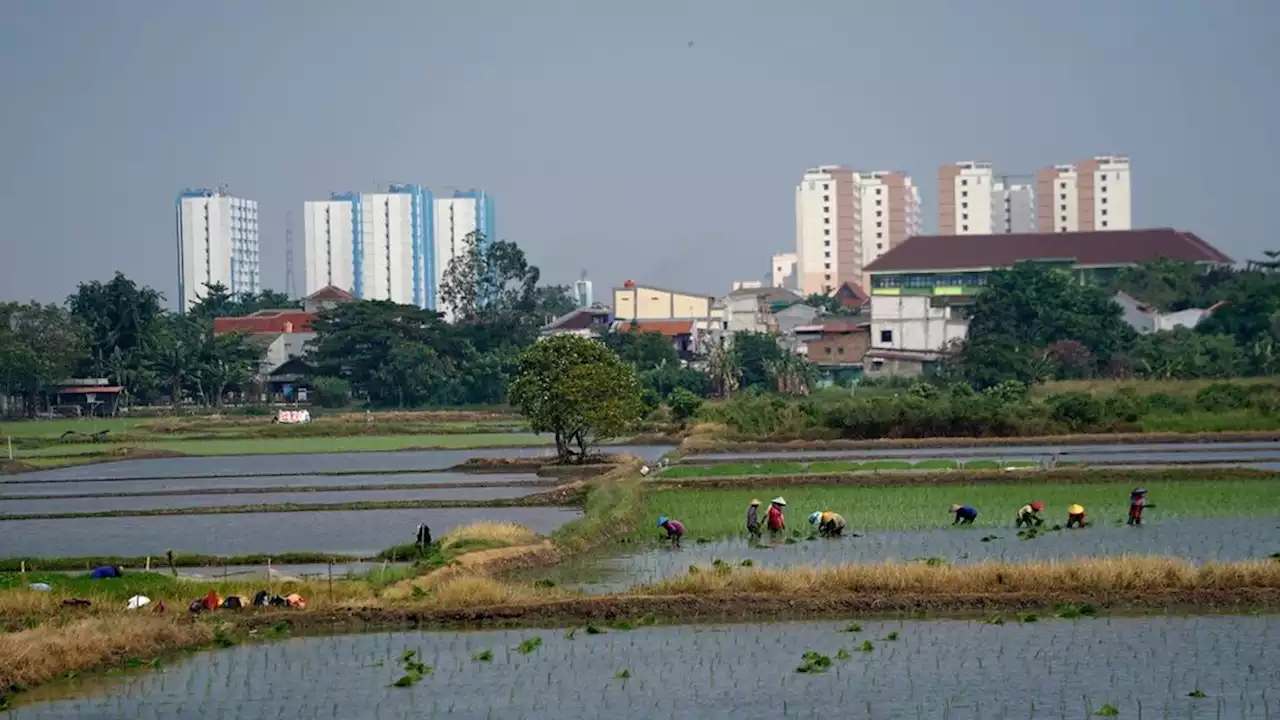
(608, 143)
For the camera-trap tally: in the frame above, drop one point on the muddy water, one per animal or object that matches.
(934, 670)
(1195, 540)
(149, 502)
(8, 489)
(355, 532)
(353, 462)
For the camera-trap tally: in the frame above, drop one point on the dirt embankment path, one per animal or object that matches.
(739, 607)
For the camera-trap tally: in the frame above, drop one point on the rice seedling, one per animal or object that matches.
(483, 656)
(568, 634)
(622, 674)
(843, 654)
(866, 646)
(529, 645)
(813, 662)
(1197, 693)
(1107, 710)
(593, 630)
(413, 668)
(853, 628)
(1029, 618)
(891, 636)
(623, 625)
(747, 563)
(714, 513)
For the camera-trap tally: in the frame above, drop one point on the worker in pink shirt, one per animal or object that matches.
(674, 528)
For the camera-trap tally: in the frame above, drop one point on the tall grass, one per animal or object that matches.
(1102, 575)
(34, 656)
(487, 535)
(713, 513)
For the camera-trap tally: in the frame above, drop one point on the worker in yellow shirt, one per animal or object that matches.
(829, 524)
(1075, 516)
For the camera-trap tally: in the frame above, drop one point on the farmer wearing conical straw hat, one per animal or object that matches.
(965, 514)
(1029, 515)
(774, 519)
(753, 519)
(1075, 516)
(829, 524)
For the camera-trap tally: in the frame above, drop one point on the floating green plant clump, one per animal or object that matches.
(414, 669)
(814, 663)
(1107, 710)
(483, 656)
(529, 645)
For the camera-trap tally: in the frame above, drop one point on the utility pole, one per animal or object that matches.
(290, 287)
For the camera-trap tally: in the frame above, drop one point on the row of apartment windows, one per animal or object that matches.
(924, 280)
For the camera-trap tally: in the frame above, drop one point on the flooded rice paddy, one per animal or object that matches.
(348, 462)
(8, 489)
(911, 670)
(338, 497)
(1196, 540)
(355, 532)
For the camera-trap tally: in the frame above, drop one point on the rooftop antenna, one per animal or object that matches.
(290, 287)
(583, 275)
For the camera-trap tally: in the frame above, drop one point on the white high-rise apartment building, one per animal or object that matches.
(965, 199)
(217, 239)
(1090, 195)
(845, 219)
(393, 245)
(1013, 209)
(783, 271)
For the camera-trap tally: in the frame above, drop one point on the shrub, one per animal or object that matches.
(684, 405)
(1078, 410)
(1222, 396)
(331, 392)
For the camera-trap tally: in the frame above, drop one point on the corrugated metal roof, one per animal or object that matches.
(274, 323)
(669, 328)
(1107, 247)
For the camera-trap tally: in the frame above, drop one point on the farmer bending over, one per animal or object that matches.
(774, 519)
(1029, 515)
(1075, 516)
(829, 524)
(674, 528)
(965, 514)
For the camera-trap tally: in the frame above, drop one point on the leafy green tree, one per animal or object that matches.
(684, 405)
(578, 390)
(644, 350)
(118, 316)
(755, 354)
(39, 346)
(331, 392)
(176, 356)
(1188, 354)
(227, 362)
(218, 302)
(488, 279)
(552, 301)
(377, 345)
(1026, 308)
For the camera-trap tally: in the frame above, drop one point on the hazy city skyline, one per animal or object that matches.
(661, 146)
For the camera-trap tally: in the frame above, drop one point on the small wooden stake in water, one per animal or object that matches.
(269, 593)
(10, 447)
(24, 572)
(330, 579)
(148, 563)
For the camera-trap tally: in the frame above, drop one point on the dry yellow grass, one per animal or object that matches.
(34, 656)
(489, 533)
(1140, 387)
(1120, 574)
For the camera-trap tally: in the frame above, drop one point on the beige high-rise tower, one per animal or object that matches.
(964, 198)
(1090, 195)
(845, 219)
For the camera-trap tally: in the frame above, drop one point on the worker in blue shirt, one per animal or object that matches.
(965, 514)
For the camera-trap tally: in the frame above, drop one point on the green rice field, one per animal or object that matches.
(780, 468)
(721, 513)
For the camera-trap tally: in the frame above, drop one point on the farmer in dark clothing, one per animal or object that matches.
(674, 528)
(105, 571)
(424, 536)
(965, 514)
(753, 519)
(1137, 503)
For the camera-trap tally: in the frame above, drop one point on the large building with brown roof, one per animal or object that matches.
(916, 287)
